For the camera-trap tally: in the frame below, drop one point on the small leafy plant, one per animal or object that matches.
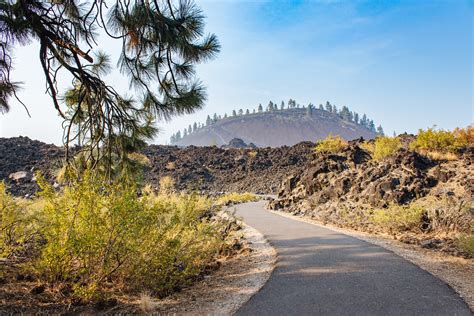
(433, 140)
(236, 198)
(398, 217)
(332, 145)
(14, 227)
(466, 243)
(98, 235)
(385, 147)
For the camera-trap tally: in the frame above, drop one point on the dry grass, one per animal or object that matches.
(170, 165)
(147, 304)
(398, 218)
(166, 185)
(436, 155)
(252, 153)
(236, 198)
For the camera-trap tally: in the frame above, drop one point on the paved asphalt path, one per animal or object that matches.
(323, 272)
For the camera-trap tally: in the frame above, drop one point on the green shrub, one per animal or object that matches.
(253, 153)
(368, 146)
(436, 140)
(385, 147)
(332, 144)
(97, 235)
(464, 136)
(398, 217)
(236, 198)
(466, 243)
(16, 229)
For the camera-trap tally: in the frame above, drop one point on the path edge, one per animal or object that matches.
(391, 246)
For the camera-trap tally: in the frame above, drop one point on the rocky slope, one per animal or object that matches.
(208, 169)
(21, 157)
(346, 188)
(353, 176)
(278, 128)
(213, 169)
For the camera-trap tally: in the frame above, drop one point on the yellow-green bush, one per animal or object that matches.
(368, 146)
(16, 229)
(398, 217)
(166, 185)
(429, 214)
(385, 147)
(466, 243)
(252, 153)
(236, 198)
(464, 136)
(437, 141)
(96, 235)
(332, 144)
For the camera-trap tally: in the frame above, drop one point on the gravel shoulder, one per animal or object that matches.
(455, 271)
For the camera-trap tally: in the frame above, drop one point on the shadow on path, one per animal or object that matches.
(323, 272)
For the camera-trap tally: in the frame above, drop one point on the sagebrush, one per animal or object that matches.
(331, 144)
(385, 147)
(439, 140)
(236, 198)
(97, 235)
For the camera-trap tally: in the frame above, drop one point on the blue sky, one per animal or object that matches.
(407, 64)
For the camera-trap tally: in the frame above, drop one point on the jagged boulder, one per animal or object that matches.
(238, 143)
(353, 176)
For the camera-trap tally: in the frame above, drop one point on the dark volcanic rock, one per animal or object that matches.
(208, 169)
(21, 157)
(351, 176)
(213, 169)
(238, 143)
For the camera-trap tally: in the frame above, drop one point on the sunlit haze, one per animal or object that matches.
(407, 64)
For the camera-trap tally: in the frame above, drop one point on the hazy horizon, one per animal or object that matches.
(406, 64)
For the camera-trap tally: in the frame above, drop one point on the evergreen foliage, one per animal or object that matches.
(345, 113)
(309, 110)
(161, 45)
(380, 131)
(328, 107)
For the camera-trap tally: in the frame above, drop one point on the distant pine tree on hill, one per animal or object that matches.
(344, 113)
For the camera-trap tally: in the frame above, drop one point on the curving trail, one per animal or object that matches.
(323, 272)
